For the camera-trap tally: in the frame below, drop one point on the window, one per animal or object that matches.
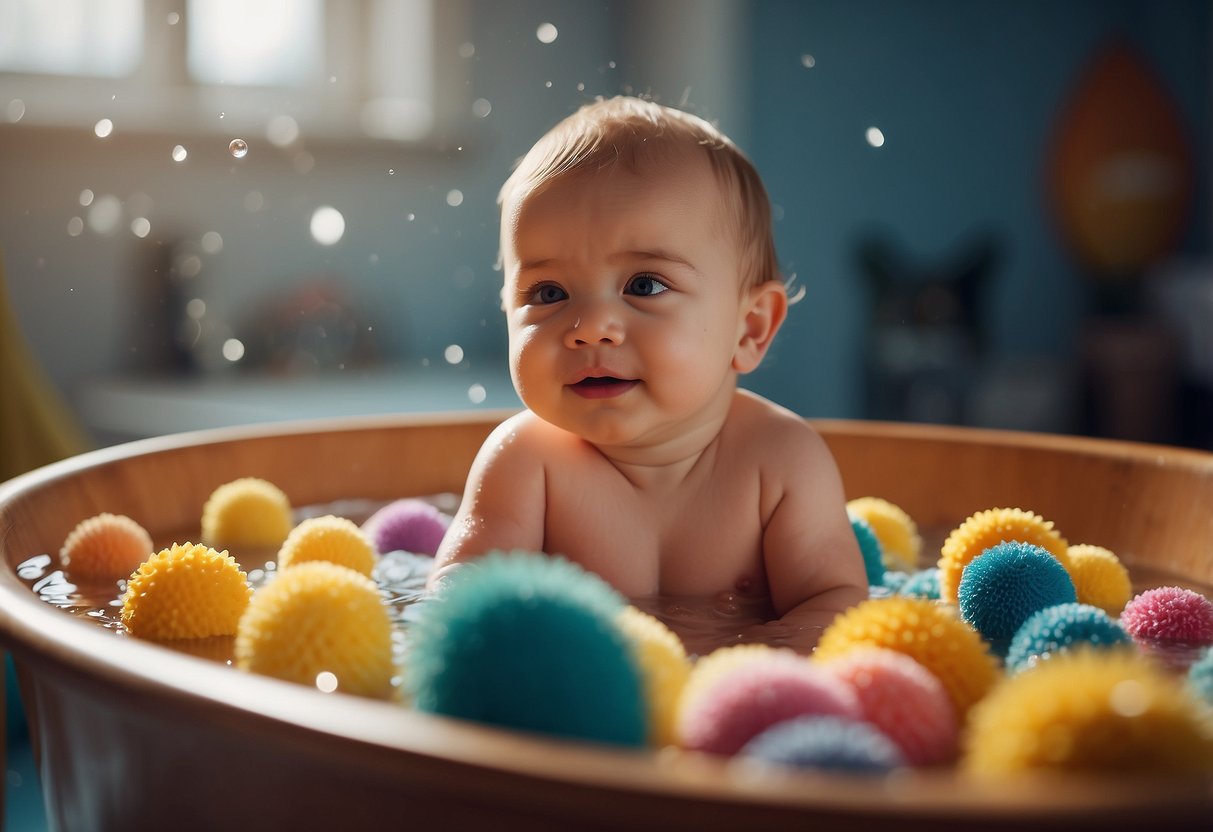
(337, 69)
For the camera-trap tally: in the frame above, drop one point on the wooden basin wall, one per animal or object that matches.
(133, 735)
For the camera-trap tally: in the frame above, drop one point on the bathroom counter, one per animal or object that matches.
(125, 408)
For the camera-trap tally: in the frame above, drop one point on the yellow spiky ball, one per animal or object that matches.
(931, 633)
(328, 538)
(1089, 710)
(317, 618)
(186, 591)
(897, 532)
(248, 512)
(988, 528)
(1100, 579)
(664, 668)
(105, 547)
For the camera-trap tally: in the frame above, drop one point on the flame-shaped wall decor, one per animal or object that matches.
(1120, 172)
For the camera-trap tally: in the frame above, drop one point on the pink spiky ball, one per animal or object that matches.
(1169, 613)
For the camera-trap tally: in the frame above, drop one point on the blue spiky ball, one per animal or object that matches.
(869, 547)
(922, 584)
(529, 642)
(1004, 585)
(1057, 629)
(1200, 676)
(825, 742)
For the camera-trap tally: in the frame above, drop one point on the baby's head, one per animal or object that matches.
(639, 273)
(643, 137)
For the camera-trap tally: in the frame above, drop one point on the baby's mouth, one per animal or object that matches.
(602, 387)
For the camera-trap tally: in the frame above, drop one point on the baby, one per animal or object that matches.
(640, 282)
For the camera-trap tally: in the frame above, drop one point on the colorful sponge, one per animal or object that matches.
(984, 529)
(105, 547)
(664, 668)
(869, 547)
(896, 531)
(928, 632)
(904, 700)
(722, 713)
(530, 642)
(1089, 710)
(1171, 614)
(408, 525)
(328, 538)
(246, 512)
(1004, 586)
(828, 742)
(1056, 629)
(317, 618)
(1100, 579)
(185, 591)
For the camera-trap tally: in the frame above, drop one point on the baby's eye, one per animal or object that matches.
(546, 293)
(645, 285)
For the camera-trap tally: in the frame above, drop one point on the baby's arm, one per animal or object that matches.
(503, 501)
(814, 567)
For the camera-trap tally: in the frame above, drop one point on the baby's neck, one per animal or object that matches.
(665, 465)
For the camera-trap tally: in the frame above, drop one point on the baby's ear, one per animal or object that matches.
(764, 306)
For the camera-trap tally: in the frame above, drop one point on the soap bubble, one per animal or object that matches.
(282, 131)
(75, 227)
(467, 50)
(808, 61)
(546, 33)
(141, 227)
(233, 349)
(86, 197)
(103, 128)
(477, 394)
(238, 148)
(454, 197)
(179, 153)
(453, 354)
(328, 225)
(875, 137)
(16, 110)
(105, 214)
(212, 242)
(481, 107)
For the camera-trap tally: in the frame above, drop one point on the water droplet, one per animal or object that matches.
(411, 216)
(611, 64)
(546, 33)
(328, 225)
(467, 50)
(179, 153)
(173, 18)
(238, 148)
(86, 197)
(481, 107)
(547, 84)
(477, 394)
(75, 227)
(391, 171)
(15, 110)
(453, 354)
(875, 137)
(141, 227)
(212, 242)
(221, 115)
(103, 128)
(581, 87)
(454, 197)
(808, 61)
(233, 349)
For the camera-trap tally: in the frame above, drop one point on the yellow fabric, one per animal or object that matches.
(35, 426)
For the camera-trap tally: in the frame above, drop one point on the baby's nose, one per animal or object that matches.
(594, 325)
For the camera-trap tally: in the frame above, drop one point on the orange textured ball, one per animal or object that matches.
(105, 547)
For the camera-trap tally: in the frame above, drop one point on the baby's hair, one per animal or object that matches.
(637, 133)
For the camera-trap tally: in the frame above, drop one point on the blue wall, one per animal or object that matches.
(966, 95)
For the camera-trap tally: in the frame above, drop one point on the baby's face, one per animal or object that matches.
(623, 302)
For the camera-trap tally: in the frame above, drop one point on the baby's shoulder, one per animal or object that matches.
(772, 432)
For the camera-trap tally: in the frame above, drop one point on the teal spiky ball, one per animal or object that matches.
(1200, 676)
(1004, 585)
(922, 584)
(869, 547)
(1059, 628)
(529, 642)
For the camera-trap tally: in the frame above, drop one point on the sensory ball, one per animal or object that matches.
(1055, 629)
(988, 528)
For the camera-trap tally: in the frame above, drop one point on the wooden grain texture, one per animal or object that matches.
(129, 732)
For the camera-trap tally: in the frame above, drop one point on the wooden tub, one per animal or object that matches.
(131, 735)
